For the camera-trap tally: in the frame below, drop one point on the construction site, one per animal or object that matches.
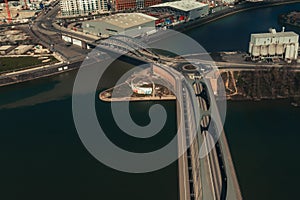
(18, 51)
(21, 11)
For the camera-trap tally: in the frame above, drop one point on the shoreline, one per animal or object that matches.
(28, 76)
(231, 11)
(292, 99)
(41, 72)
(132, 99)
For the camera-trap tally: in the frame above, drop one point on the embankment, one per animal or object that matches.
(274, 83)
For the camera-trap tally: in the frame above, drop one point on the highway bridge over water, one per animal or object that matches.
(210, 177)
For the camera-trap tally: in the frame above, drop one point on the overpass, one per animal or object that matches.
(213, 176)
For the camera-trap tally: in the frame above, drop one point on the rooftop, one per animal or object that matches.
(184, 5)
(5, 47)
(274, 33)
(126, 20)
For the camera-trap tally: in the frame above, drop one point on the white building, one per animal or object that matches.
(31, 4)
(274, 45)
(82, 7)
(229, 1)
(192, 9)
(132, 24)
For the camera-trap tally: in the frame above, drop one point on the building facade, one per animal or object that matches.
(31, 4)
(189, 9)
(82, 7)
(274, 44)
(134, 4)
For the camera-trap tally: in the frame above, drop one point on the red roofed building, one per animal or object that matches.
(133, 4)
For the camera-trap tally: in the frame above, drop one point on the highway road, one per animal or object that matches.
(43, 32)
(213, 169)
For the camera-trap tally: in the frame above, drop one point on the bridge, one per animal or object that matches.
(213, 176)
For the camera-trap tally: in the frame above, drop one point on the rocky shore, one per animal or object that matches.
(274, 83)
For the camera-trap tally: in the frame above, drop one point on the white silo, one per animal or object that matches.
(264, 50)
(250, 48)
(274, 44)
(287, 52)
(279, 49)
(296, 51)
(292, 51)
(272, 49)
(256, 51)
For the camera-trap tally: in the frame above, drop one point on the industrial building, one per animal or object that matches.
(229, 1)
(274, 44)
(132, 24)
(214, 3)
(144, 88)
(5, 49)
(82, 7)
(21, 49)
(33, 4)
(134, 4)
(189, 9)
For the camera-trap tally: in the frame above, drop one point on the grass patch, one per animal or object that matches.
(16, 63)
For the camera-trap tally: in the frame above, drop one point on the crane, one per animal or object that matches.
(8, 12)
(25, 5)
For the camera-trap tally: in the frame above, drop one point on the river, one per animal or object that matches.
(42, 156)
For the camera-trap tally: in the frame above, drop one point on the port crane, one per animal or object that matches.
(8, 11)
(25, 5)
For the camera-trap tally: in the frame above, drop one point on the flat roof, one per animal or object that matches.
(5, 47)
(184, 5)
(277, 34)
(24, 46)
(126, 20)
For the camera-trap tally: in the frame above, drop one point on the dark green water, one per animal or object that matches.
(233, 33)
(264, 141)
(43, 158)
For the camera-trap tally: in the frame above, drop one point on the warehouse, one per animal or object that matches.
(191, 10)
(5, 49)
(132, 24)
(274, 44)
(21, 49)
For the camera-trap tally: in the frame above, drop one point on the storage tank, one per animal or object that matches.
(279, 49)
(250, 48)
(264, 50)
(272, 49)
(287, 52)
(296, 50)
(292, 51)
(256, 51)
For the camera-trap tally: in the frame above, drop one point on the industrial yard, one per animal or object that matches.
(274, 45)
(21, 11)
(19, 52)
(24, 62)
(69, 40)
